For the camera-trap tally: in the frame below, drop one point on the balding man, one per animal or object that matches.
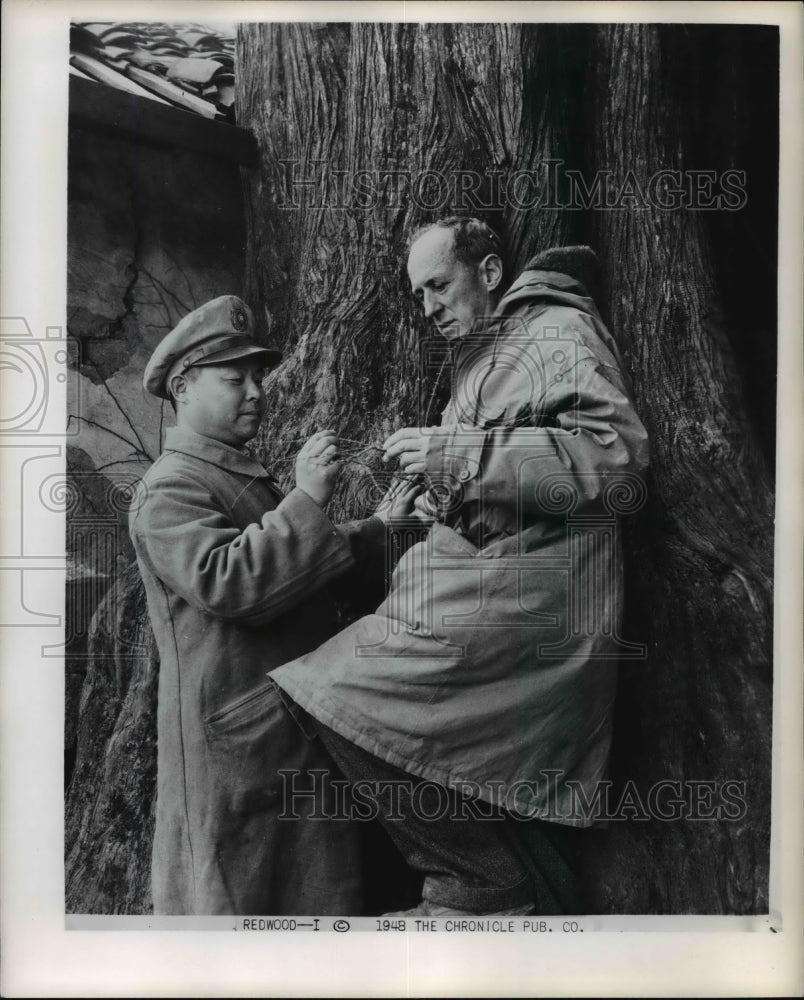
(487, 677)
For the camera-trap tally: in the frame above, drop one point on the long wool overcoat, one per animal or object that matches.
(235, 579)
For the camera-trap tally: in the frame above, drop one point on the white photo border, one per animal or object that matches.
(703, 956)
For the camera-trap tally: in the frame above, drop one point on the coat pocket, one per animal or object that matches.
(243, 710)
(249, 742)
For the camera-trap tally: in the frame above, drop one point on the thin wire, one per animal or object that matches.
(349, 448)
(355, 455)
(359, 448)
(354, 451)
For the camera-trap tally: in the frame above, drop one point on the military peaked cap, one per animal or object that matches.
(221, 330)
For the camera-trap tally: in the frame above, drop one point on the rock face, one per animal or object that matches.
(152, 233)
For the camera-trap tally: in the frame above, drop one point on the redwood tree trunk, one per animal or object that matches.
(108, 822)
(700, 560)
(360, 126)
(406, 109)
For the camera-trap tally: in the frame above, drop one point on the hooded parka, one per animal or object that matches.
(491, 666)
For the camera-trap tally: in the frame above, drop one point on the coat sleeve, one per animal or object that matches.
(254, 575)
(575, 438)
(366, 538)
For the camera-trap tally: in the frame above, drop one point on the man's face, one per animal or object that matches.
(454, 294)
(224, 402)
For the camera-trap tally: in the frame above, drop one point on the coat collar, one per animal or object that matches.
(552, 287)
(215, 452)
(532, 287)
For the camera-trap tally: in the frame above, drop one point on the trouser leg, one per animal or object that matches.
(469, 862)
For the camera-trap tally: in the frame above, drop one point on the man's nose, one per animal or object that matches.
(431, 305)
(254, 389)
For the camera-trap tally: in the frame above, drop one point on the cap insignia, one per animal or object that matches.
(239, 318)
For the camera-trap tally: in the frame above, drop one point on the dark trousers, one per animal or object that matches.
(473, 857)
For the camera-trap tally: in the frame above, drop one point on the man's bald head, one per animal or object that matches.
(473, 239)
(455, 271)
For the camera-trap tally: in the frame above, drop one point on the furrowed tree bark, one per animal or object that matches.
(398, 112)
(362, 130)
(700, 570)
(109, 812)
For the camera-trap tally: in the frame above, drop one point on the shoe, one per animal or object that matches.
(428, 909)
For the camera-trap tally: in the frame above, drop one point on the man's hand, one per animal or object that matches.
(400, 504)
(318, 465)
(409, 445)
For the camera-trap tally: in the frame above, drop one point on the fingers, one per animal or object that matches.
(401, 492)
(422, 504)
(423, 509)
(407, 452)
(399, 446)
(391, 496)
(406, 439)
(412, 488)
(409, 444)
(327, 456)
(412, 461)
(323, 443)
(391, 441)
(396, 487)
(319, 446)
(314, 438)
(404, 487)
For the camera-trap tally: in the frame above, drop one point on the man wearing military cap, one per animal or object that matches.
(220, 330)
(235, 577)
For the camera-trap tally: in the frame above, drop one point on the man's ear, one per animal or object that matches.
(178, 388)
(491, 271)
